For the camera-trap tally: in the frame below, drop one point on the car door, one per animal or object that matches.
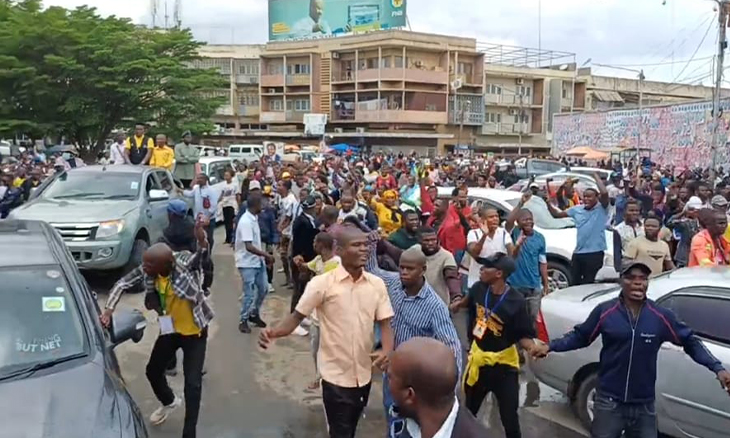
(689, 397)
(156, 211)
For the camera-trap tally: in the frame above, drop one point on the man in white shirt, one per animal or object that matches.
(313, 24)
(287, 206)
(422, 377)
(251, 260)
(485, 241)
(116, 150)
(205, 202)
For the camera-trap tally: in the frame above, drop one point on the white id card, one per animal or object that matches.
(166, 326)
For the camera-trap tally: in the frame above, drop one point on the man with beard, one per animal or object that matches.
(624, 400)
(406, 236)
(421, 377)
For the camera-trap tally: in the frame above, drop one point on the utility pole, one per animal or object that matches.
(641, 125)
(519, 121)
(722, 6)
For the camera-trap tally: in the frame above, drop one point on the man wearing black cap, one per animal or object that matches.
(501, 323)
(632, 329)
(186, 157)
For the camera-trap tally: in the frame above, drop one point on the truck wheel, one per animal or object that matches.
(135, 257)
(583, 404)
(558, 275)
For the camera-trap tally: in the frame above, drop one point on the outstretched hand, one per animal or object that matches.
(724, 378)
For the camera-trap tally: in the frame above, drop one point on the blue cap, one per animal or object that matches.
(177, 207)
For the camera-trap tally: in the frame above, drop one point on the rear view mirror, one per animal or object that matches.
(158, 195)
(126, 325)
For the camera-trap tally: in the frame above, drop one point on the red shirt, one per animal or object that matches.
(451, 233)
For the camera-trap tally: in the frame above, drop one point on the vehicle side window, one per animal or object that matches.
(217, 170)
(164, 181)
(151, 184)
(246, 150)
(707, 316)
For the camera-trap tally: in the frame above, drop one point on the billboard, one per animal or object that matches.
(303, 19)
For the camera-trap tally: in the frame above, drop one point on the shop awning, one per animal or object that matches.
(607, 96)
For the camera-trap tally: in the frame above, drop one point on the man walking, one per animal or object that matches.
(117, 150)
(624, 401)
(590, 219)
(344, 321)
(251, 261)
(205, 203)
(186, 157)
(304, 230)
(172, 288)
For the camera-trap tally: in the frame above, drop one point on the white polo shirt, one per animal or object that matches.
(248, 231)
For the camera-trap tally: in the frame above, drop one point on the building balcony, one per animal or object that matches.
(399, 74)
(272, 117)
(248, 111)
(505, 129)
(507, 100)
(566, 102)
(225, 110)
(272, 80)
(371, 74)
(470, 118)
(399, 116)
(295, 116)
(298, 80)
(427, 76)
(247, 79)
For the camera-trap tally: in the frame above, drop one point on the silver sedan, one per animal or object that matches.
(689, 400)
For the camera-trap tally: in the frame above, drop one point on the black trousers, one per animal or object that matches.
(228, 214)
(585, 266)
(193, 359)
(343, 407)
(299, 286)
(503, 381)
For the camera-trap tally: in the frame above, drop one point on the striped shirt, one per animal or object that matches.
(422, 315)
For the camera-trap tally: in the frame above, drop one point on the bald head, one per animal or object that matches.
(158, 260)
(414, 255)
(429, 368)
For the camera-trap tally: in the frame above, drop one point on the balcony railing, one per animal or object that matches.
(225, 110)
(272, 80)
(298, 80)
(248, 110)
(508, 99)
(470, 117)
(402, 116)
(505, 128)
(397, 74)
(247, 79)
(272, 117)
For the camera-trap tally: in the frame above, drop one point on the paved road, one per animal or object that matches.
(251, 393)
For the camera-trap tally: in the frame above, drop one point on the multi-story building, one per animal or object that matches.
(412, 91)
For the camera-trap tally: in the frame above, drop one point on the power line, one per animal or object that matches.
(699, 46)
(659, 63)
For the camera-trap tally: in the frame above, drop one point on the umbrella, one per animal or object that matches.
(594, 155)
(579, 151)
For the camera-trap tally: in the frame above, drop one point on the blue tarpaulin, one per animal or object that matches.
(344, 147)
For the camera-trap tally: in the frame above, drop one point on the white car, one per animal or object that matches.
(689, 400)
(590, 171)
(560, 234)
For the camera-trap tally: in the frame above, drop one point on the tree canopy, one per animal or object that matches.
(77, 74)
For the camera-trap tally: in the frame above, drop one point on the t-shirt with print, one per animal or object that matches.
(651, 253)
(508, 321)
(493, 245)
(591, 226)
(229, 190)
(532, 253)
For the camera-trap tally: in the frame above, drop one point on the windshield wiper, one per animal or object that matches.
(119, 197)
(28, 371)
(78, 195)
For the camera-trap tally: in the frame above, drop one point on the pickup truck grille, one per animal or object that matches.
(76, 232)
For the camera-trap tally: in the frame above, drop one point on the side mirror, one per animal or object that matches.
(213, 180)
(159, 195)
(126, 325)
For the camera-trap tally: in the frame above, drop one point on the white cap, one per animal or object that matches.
(254, 185)
(694, 203)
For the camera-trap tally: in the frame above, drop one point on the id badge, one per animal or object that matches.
(479, 328)
(166, 326)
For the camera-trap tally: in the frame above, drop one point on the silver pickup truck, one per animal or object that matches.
(106, 215)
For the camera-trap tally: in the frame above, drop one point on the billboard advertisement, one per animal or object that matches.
(303, 19)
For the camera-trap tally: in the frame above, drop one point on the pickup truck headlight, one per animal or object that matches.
(109, 229)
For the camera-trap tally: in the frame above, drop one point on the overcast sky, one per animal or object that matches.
(629, 33)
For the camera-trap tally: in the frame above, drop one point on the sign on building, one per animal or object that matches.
(304, 19)
(314, 124)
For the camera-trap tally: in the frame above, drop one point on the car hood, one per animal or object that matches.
(80, 402)
(578, 293)
(73, 210)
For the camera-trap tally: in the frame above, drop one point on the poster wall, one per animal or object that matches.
(679, 134)
(303, 19)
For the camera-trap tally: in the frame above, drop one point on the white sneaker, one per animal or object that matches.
(160, 415)
(300, 331)
(280, 270)
(271, 288)
(306, 322)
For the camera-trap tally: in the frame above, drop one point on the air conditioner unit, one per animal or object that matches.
(338, 131)
(519, 81)
(456, 84)
(272, 90)
(360, 130)
(418, 64)
(252, 80)
(514, 112)
(335, 55)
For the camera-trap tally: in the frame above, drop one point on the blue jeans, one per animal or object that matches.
(395, 424)
(612, 418)
(255, 288)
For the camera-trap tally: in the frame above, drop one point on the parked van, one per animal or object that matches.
(248, 152)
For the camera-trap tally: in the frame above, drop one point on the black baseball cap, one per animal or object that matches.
(499, 261)
(631, 264)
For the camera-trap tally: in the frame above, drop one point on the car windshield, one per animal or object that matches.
(541, 215)
(94, 185)
(39, 320)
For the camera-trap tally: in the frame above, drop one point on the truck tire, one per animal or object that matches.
(583, 403)
(558, 275)
(135, 257)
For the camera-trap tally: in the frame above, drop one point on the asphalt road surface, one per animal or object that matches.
(250, 393)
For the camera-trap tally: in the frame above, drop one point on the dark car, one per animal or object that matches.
(529, 167)
(59, 375)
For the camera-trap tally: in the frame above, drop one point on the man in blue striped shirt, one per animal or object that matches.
(419, 312)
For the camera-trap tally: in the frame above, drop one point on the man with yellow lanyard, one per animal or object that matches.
(172, 282)
(501, 323)
(389, 217)
(162, 155)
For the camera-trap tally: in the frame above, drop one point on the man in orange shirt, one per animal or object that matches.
(709, 247)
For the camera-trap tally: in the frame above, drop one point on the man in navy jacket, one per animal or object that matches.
(632, 329)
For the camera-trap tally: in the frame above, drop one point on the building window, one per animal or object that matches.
(431, 107)
(248, 68)
(398, 62)
(524, 117)
(493, 117)
(494, 89)
(301, 105)
(464, 68)
(372, 63)
(566, 93)
(385, 62)
(276, 105)
(523, 91)
(298, 69)
(275, 69)
(248, 99)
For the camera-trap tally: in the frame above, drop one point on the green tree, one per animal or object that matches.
(74, 73)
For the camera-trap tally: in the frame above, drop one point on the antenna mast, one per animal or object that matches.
(154, 6)
(177, 14)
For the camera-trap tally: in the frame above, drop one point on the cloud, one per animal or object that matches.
(615, 32)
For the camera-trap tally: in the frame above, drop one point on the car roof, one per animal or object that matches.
(718, 276)
(566, 174)
(117, 168)
(25, 243)
(208, 160)
(498, 195)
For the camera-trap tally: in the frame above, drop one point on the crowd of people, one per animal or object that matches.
(379, 263)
